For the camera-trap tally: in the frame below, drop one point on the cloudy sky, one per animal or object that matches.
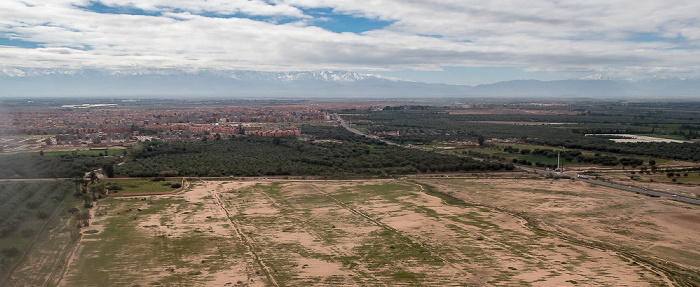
(449, 41)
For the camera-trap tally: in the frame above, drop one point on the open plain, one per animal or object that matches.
(430, 232)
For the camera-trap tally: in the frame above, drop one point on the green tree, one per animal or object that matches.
(80, 183)
(97, 188)
(87, 201)
(109, 170)
(92, 177)
(481, 140)
(83, 218)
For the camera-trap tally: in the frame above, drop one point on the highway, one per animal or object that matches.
(613, 185)
(347, 127)
(539, 171)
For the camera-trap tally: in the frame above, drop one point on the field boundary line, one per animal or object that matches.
(246, 241)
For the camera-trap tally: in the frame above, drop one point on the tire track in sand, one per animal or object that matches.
(366, 273)
(250, 245)
(406, 238)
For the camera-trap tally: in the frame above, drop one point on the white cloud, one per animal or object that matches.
(221, 7)
(537, 35)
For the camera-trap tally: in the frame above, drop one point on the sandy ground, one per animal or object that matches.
(651, 226)
(379, 233)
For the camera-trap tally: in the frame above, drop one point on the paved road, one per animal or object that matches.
(539, 171)
(347, 127)
(614, 185)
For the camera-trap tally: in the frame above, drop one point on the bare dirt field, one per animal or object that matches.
(487, 232)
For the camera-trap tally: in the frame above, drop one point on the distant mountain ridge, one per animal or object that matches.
(19, 82)
(337, 76)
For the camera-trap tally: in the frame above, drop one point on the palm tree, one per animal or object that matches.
(97, 188)
(88, 200)
(93, 177)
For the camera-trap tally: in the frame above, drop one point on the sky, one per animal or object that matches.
(437, 41)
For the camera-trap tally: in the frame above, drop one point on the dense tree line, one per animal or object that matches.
(255, 156)
(34, 165)
(427, 127)
(678, 151)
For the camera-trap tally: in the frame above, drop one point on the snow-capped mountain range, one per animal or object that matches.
(24, 82)
(328, 76)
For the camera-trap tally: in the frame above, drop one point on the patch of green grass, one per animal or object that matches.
(385, 188)
(159, 205)
(406, 275)
(691, 258)
(58, 198)
(473, 219)
(427, 211)
(124, 247)
(60, 234)
(543, 159)
(141, 185)
(448, 199)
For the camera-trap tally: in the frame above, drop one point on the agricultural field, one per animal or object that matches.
(26, 209)
(523, 231)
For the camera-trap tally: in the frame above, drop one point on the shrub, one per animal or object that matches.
(10, 251)
(34, 203)
(42, 215)
(28, 232)
(113, 187)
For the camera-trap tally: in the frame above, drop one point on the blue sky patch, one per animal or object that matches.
(98, 7)
(268, 19)
(18, 43)
(653, 37)
(339, 23)
(686, 48)
(324, 18)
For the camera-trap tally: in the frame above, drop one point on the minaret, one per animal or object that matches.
(558, 154)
